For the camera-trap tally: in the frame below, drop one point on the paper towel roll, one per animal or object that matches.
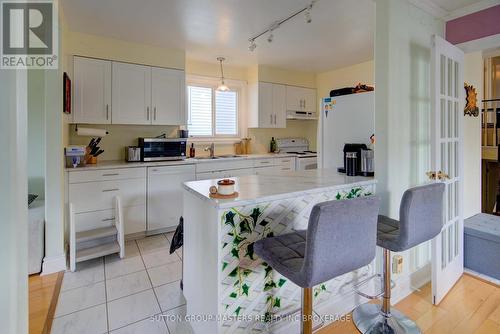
(89, 132)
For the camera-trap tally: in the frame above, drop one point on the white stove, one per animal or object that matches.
(306, 159)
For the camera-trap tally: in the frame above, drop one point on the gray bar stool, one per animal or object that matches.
(340, 238)
(420, 215)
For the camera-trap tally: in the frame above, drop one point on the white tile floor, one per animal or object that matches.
(113, 295)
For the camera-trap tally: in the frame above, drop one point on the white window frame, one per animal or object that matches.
(241, 118)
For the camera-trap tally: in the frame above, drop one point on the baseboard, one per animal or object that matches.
(54, 264)
(405, 285)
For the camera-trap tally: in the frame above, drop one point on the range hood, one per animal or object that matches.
(293, 114)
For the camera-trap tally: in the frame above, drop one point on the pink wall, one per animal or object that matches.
(474, 26)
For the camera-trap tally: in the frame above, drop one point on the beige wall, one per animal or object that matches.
(473, 74)
(286, 77)
(114, 49)
(345, 77)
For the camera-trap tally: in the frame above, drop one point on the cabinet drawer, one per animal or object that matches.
(263, 162)
(287, 163)
(106, 175)
(134, 218)
(223, 165)
(93, 196)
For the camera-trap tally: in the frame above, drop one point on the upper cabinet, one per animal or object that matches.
(131, 94)
(168, 93)
(109, 92)
(269, 106)
(92, 91)
(300, 99)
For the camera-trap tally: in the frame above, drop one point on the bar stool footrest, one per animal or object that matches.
(357, 287)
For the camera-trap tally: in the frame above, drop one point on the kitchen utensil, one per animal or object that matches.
(98, 153)
(367, 164)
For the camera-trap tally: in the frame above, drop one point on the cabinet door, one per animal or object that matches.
(165, 195)
(92, 91)
(294, 98)
(131, 94)
(266, 114)
(310, 103)
(279, 105)
(167, 96)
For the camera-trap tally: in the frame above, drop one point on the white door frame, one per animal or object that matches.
(447, 94)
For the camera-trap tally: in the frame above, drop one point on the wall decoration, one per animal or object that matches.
(66, 94)
(471, 108)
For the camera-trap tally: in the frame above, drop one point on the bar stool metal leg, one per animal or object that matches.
(376, 319)
(306, 319)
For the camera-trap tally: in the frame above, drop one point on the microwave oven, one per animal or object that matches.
(161, 149)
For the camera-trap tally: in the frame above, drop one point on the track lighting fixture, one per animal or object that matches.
(277, 24)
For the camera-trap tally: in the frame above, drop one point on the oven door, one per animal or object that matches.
(307, 163)
(154, 149)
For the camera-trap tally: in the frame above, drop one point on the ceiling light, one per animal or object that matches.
(276, 24)
(252, 45)
(222, 87)
(308, 16)
(270, 38)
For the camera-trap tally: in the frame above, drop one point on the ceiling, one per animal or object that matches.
(451, 5)
(340, 34)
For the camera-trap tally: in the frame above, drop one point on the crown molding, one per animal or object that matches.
(476, 7)
(430, 7)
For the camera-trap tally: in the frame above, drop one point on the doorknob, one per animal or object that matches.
(439, 175)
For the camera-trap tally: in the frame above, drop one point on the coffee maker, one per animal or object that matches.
(358, 160)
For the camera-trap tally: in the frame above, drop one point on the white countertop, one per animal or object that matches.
(113, 164)
(258, 188)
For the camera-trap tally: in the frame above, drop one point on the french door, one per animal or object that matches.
(447, 67)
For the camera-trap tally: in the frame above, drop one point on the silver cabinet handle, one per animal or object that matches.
(108, 219)
(107, 111)
(265, 162)
(274, 119)
(110, 190)
(154, 114)
(271, 118)
(111, 174)
(147, 113)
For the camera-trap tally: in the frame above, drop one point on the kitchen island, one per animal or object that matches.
(227, 287)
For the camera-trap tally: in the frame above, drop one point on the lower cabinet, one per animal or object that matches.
(92, 195)
(165, 194)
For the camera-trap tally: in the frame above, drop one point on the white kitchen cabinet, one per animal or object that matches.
(92, 91)
(131, 94)
(165, 195)
(270, 108)
(168, 91)
(92, 194)
(300, 99)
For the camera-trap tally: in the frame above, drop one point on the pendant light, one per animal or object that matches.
(222, 87)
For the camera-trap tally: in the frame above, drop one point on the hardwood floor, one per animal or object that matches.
(43, 294)
(472, 306)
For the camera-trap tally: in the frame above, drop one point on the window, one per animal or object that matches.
(213, 113)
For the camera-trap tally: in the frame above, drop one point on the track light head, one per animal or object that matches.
(270, 38)
(308, 16)
(252, 46)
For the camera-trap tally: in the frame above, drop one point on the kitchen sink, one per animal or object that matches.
(222, 157)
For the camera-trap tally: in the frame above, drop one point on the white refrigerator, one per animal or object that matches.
(344, 119)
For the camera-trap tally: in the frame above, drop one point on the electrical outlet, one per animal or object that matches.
(397, 264)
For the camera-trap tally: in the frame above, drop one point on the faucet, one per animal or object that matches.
(211, 148)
